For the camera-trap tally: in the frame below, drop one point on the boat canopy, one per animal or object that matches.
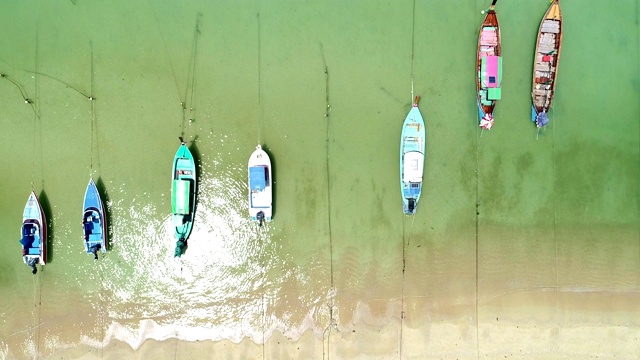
(257, 178)
(181, 189)
(491, 76)
(413, 166)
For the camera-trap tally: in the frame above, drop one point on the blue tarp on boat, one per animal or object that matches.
(542, 119)
(257, 178)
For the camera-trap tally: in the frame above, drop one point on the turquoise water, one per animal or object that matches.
(536, 231)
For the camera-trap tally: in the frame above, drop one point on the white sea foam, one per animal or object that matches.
(147, 329)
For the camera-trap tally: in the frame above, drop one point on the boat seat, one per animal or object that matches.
(413, 167)
(95, 237)
(30, 241)
(88, 227)
(181, 193)
(258, 176)
(27, 241)
(414, 189)
(97, 229)
(180, 220)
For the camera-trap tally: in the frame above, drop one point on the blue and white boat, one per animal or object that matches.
(183, 196)
(412, 145)
(34, 234)
(94, 223)
(260, 186)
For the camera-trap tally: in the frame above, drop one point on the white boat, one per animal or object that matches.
(94, 221)
(412, 145)
(34, 234)
(260, 186)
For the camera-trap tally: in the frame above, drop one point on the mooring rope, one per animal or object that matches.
(332, 322)
(260, 112)
(92, 99)
(413, 43)
(191, 80)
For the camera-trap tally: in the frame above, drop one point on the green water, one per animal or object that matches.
(502, 212)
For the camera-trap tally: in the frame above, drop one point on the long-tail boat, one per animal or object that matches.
(489, 67)
(545, 64)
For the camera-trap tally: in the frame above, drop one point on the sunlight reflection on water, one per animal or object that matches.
(216, 283)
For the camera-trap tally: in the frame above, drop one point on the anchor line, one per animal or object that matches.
(404, 247)
(264, 311)
(332, 322)
(37, 130)
(93, 111)
(260, 115)
(413, 42)
(36, 316)
(477, 243)
(23, 93)
(41, 281)
(404, 263)
(260, 112)
(555, 208)
(190, 90)
(101, 313)
(172, 66)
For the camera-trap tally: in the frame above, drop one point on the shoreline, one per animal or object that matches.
(522, 323)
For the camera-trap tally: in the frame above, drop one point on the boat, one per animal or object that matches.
(545, 64)
(489, 67)
(94, 221)
(34, 234)
(260, 186)
(183, 196)
(412, 144)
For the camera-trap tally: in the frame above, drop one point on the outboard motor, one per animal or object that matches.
(260, 217)
(94, 250)
(412, 205)
(181, 246)
(33, 262)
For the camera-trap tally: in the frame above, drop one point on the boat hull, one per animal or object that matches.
(94, 220)
(260, 186)
(488, 68)
(545, 64)
(34, 232)
(412, 147)
(183, 192)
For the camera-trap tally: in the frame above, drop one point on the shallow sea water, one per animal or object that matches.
(521, 246)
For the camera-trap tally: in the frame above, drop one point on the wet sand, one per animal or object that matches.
(519, 325)
(520, 314)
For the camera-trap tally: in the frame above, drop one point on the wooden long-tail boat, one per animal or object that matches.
(489, 67)
(545, 64)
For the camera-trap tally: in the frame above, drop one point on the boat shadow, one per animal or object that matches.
(46, 209)
(197, 159)
(107, 210)
(272, 158)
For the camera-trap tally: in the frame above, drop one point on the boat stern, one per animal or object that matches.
(258, 214)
